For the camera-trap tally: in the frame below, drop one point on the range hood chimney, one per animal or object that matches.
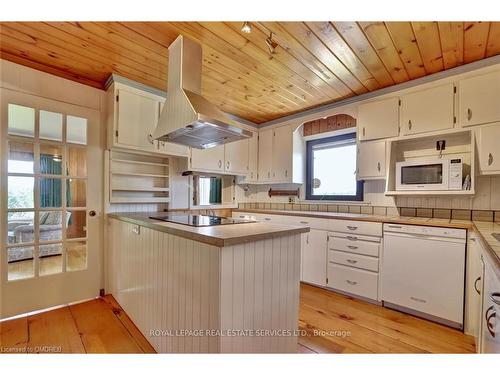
(188, 118)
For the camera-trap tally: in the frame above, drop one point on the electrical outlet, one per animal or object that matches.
(441, 145)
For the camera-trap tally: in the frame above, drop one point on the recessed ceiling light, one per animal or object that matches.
(271, 44)
(246, 28)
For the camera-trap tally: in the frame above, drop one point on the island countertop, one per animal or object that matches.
(219, 235)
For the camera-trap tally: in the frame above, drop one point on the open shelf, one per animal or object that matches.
(139, 162)
(459, 144)
(137, 179)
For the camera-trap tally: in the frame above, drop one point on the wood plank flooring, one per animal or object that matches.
(334, 323)
(369, 328)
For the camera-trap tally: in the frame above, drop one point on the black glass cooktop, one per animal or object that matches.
(201, 220)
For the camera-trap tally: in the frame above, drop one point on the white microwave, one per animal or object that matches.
(430, 174)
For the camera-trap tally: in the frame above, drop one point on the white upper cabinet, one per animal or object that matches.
(428, 110)
(253, 158)
(136, 119)
(488, 148)
(208, 160)
(371, 160)
(479, 99)
(378, 119)
(132, 115)
(282, 154)
(265, 155)
(236, 157)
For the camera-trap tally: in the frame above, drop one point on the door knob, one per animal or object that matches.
(92, 213)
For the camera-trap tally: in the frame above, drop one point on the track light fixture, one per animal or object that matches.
(246, 28)
(271, 44)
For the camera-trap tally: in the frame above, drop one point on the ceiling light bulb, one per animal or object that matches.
(246, 28)
(271, 44)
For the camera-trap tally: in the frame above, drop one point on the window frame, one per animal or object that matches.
(358, 197)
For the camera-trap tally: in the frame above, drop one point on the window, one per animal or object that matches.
(331, 169)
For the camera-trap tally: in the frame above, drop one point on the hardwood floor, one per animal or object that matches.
(334, 323)
(368, 328)
(96, 326)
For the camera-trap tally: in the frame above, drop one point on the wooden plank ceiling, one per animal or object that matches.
(315, 62)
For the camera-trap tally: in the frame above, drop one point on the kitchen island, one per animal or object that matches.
(217, 289)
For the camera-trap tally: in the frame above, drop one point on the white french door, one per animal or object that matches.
(50, 203)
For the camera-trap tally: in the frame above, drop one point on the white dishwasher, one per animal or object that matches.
(423, 272)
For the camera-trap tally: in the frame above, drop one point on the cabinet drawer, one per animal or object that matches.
(357, 227)
(314, 223)
(352, 244)
(352, 280)
(353, 260)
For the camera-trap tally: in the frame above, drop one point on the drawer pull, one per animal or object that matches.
(352, 238)
(395, 226)
(488, 317)
(242, 216)
(352, 261)
(475, 285)
(351, 282)
(304, 222)
(351, 227)
(418, 299)
(352, 247)
(267, 218)
(495, 298)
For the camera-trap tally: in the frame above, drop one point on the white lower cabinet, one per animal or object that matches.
(490, 326)
(353, 259)
(314, 247)
(351, 280)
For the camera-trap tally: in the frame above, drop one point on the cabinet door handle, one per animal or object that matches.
(469, 114)
(495, 298)
(488, 317)
(150, 138)
(475, 285)
(418, 299)
(227, 165)
(409, 124)
(351, 227)
(351, 282)
(251, 174)
(364, 131)
(352, 247)
(220, 163)
(307, 239)
(268, 174)
(378, 166)
(286, 172)
(490, 159)
(352, 261)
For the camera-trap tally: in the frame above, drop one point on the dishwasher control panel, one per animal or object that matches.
(426, 230)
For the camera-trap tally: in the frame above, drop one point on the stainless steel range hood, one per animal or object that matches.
(187, 117)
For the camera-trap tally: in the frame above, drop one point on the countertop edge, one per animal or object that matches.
(209, 240)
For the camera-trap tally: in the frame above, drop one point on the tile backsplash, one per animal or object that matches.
(483, 206)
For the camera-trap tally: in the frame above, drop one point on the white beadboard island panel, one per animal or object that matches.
(170, 283)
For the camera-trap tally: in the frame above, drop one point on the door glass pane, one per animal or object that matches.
(50, 225)
(21, 157)
(20, 262)
(21, 120)
(77, 192)
(50, 192)
(76, 161)
(20, 192)
(50, 259)
(76, 130)
(51, 126)
(76, 256)
(20, 227)
(76, 224)
(50, 159)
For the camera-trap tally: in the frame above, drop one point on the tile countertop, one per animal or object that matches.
(482, 228)
(220, 235)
